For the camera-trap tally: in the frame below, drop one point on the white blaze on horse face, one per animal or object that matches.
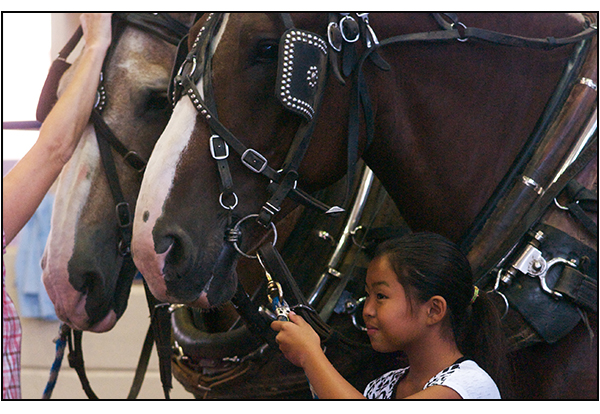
(72, 192)
(156, 187)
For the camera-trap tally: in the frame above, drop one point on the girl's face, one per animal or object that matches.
(391, 323)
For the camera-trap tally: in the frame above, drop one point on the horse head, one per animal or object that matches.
(187, 206)
(86, 268)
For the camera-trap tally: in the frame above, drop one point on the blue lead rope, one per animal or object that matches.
(61, 343)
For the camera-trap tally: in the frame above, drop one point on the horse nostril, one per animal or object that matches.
(172, 249)
(164, 244)
(90, 283)
(175, 247)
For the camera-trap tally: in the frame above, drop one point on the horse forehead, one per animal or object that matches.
(142, 54)
(248, 23)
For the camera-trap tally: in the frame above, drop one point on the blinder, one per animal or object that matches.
(301, 71)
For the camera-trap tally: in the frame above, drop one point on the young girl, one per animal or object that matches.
(420, 300)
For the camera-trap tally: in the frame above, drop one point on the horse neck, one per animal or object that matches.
(450, 120)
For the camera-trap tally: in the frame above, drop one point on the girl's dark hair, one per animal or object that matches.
(427, 265)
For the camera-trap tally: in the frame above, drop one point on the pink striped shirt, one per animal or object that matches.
(11, 342)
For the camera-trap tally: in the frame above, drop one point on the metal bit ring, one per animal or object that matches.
(237, 229)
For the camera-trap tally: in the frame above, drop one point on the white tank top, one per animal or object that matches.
(465, 377)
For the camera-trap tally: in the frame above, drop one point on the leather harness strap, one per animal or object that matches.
(541, 204)
(579, 288)
(581, 200)
(75, 358)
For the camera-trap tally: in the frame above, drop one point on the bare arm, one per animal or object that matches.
(302, 346)
(24, 187)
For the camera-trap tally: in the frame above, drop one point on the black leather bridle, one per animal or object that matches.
(301, 97)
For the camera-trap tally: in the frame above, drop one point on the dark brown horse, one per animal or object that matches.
(444, 120)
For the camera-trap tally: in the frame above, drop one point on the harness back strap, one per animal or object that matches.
(581, 200)
(142, 366)
(491, 36)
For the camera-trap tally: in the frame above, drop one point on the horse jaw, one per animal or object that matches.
(73, 190)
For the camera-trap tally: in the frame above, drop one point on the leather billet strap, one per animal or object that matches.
(578, 287)
(123, 212)
(75, 358)
(160, 324)
(580, 201)
(456, 31)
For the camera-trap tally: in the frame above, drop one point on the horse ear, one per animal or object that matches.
(301, 71)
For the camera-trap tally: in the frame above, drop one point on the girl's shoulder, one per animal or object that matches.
(383, 387)
(468, 379)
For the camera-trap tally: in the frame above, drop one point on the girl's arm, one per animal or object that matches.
(24, 187)
(302, 346)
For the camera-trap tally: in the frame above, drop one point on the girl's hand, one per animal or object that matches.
(96, 29)
(297, 339)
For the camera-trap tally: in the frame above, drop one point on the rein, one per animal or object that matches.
(170, 30)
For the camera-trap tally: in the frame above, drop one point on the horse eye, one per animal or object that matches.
(267, 50)
(157, 101)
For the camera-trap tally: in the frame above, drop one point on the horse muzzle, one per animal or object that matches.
(178, 272)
